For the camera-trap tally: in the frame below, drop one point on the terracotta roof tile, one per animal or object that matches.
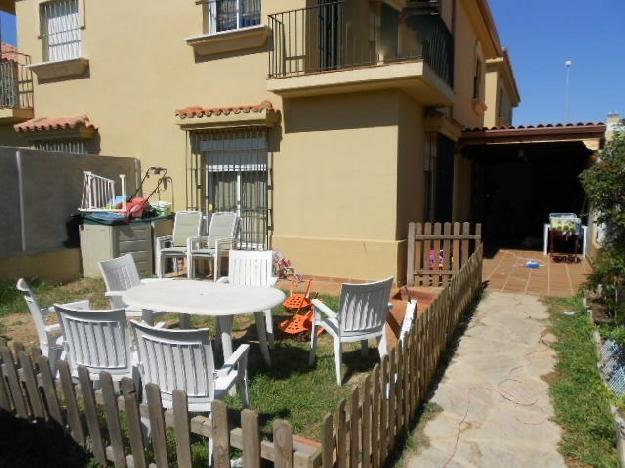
(199, 111)
(540, 125)
(43, 124)
(9, 52)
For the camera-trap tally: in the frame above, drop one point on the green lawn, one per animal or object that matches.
(580, 399)
(289, 389)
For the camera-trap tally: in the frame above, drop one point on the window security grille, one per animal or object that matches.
(235, 177)
(60, 30)
(75, 146)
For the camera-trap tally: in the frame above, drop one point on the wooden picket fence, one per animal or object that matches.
(29, 390)
(436, 252)
(365, 427)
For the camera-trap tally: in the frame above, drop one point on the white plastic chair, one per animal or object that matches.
(186, 224)
(120, 274)
(98, 340)
(50, 335)
(222, 232)
(363, 310)
(183, 360)
(253, 268)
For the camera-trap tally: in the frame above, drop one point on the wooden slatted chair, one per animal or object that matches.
(183, 360)
(186, 224)
(50, 335)
(363, 310)
(222, 232)
(98, 340)
(253, 268)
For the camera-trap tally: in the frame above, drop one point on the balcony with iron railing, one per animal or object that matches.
(357, 44)
(16, 88)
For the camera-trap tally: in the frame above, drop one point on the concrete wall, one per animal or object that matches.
(51, 191)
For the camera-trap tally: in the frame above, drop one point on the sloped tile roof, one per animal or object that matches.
(537, 126)
(8, 52)
(43, 124)
(199, 111)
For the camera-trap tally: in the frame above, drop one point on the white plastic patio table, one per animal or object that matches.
(207, 298)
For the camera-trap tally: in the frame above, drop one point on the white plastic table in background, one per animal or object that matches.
(207, 298)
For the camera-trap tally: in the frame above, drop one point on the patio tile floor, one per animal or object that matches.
(506, 271)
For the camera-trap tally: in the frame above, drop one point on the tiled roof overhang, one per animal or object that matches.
(46, 124)
(255, 114)
(542, 133)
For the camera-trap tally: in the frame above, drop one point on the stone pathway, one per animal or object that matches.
(495, 404)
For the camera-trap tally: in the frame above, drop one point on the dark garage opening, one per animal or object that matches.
(516, 186)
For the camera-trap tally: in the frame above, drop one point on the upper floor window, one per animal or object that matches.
(60, 30)
(477, 80)
(228, 15)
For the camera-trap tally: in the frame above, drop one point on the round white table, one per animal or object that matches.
(207, 298)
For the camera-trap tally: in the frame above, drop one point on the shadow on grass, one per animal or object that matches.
(43, 443)
(403, 441)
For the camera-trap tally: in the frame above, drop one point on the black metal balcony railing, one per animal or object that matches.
(16, 81)
(333, 36)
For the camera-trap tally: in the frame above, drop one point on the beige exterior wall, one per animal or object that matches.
(347, 168)
(335, 182)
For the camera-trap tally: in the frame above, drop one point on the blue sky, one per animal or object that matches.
(542, 34)
(7, 27)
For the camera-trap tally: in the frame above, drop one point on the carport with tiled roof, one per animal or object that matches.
(520, 175)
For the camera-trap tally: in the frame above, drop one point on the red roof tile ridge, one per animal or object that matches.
(199, 111)
(45, 124)
(534, 126)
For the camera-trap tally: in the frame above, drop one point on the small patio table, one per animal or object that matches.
(207, 298)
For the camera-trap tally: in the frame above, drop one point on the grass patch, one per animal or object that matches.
(11, 300)
(581, 400)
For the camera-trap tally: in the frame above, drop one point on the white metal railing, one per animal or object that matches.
(98, 194)
(61, 30)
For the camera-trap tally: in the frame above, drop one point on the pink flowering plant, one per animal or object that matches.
(284, 268)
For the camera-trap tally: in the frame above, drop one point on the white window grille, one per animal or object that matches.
(228, 15)
(61, 30)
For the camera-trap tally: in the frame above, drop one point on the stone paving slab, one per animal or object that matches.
(496, 406)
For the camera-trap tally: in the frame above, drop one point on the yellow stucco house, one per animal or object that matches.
(329, 125)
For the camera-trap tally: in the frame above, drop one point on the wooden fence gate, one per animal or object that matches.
(436, 252)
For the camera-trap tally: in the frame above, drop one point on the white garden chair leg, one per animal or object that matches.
(269, 328)
(382, 345)
(313, 346)
(337, 360)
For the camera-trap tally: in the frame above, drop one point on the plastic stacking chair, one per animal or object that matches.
(363, 310)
